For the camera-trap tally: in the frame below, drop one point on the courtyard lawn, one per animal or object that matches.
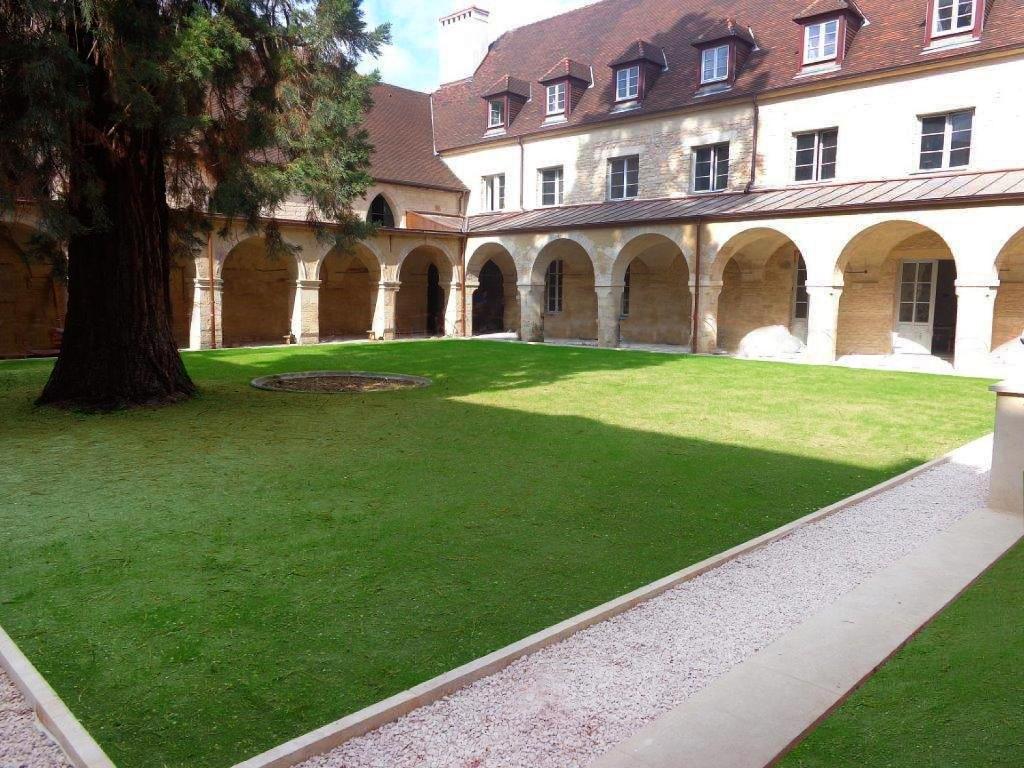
(203, 582)
(953, 698)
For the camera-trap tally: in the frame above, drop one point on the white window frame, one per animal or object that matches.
(822, 55)
(627, 84)
(556, 105)
(491, 112)
(493, 189)
(711, 56)
(715, 160)
(559, 185)
(819, 148)
(625, 160)
(953, 29)
(947, 140)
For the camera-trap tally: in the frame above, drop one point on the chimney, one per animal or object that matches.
(463, 43)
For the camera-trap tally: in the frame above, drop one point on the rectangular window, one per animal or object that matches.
(494, 192)
(714, 64)
(551, 186)
(946, 140)
(801, 302)
(623, 178)
(953, 16)
(711, 168)
(816, 155)
(916, 286)
(553, 286)
(627, 83)
(625, 291)
(556, 99)
(496, 113)
(821, 41)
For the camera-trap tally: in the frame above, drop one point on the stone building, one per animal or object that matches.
(822, 180)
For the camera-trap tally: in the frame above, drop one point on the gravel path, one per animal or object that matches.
(569, 703)
(22, 743)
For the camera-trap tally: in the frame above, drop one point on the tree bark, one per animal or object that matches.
(118, 349)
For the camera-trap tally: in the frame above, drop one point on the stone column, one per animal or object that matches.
(472, 286)
(384, 310)
(531, 312)
(306, 312)
(707, 320)
(822, 322)
(975, 307)
(206, 330)
(1007, 490)
(609, 314)
(453, 310)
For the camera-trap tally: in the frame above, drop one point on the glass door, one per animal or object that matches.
(915, 308)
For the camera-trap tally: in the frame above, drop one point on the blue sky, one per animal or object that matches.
(411, 61)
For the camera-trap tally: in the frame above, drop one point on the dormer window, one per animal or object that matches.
(556, 99)
(496, 113)
(953, 16)
(627, 83)
(821, 41)
(714, 64)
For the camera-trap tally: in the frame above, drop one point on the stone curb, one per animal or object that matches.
(52, 713)
(334, 734)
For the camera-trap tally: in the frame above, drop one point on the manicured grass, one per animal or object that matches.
(203, 582)
(953, 698)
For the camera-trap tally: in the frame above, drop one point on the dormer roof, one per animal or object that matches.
(726, 29)
(507, 84)
(637, 51)
(825, 7)
(567, 68)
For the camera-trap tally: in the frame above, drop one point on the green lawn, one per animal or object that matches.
(203, 582)
(952, 698)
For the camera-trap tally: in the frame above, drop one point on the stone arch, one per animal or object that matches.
(32, 298)
(1008, 313)
(348, 292)
(493, 302)
(425, 274)
(758, 315)
(577, 318)
(874, 269)
(258, 294)
(656, 300)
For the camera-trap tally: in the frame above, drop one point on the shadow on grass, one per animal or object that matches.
(203, 582)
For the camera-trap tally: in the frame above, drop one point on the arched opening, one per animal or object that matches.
(762, 309)
(570, 303)
(259, 293)
(899, 293)
(656, 300)
(32, 301)
(1008, 313)
(421, 305)
(183, 291)
(489, 301)
(380, 213)
(348, 293)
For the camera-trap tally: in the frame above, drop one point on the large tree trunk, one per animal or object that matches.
(118, 349)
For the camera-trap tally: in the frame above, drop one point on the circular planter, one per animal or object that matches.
(339, 382)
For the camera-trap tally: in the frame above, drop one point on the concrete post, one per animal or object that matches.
(531, 312)
(707, 322)
(609, 314)
(822, 322)
(975, 306)
(1007, 491)
(206, 330)
(384, 310)
(453, 310)
(306, 312)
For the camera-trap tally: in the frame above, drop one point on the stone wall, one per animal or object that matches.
(258, 296)
(755, 296)
(30, 304)
(660, 304)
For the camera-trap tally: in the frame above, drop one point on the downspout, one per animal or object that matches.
(464, 210)
(522, 174)
(213, 292)
(695, 321)
(753, 148)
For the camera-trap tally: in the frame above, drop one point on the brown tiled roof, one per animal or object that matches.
(958, 188)
(599, 33)
(508, 84)
(400, 131)
(567, 68)
(722, 30)
(818, 7)
(640, 50)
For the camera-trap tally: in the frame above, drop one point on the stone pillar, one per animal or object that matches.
(472, 286)
(822, 322)
(384, 310)
(707, 320)
(206, 330)
(609, 314)
(1007, 490)
(975, 306)
(531, 312)
(306, 312)
(453, 310)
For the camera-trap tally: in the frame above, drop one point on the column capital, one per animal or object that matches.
(706, 284)
(982, 284)
(823, 287)
(308, 285)
(389, 285)
(206, 283)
